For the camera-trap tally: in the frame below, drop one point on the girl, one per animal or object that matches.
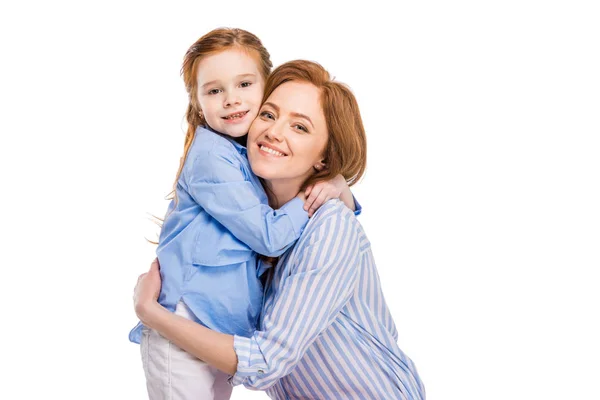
(219, 218)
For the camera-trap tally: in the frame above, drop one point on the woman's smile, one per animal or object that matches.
(268, 150)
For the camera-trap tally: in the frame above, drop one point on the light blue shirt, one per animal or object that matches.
(325, 330)
(210, 238)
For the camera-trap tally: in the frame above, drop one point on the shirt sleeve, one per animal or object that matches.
(357, 207)
(216, 182)
(322, 280)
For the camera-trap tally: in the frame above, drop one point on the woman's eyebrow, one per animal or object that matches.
(306, 117)
(274, 106)
(294, 114)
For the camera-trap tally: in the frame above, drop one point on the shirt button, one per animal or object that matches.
(260, 371)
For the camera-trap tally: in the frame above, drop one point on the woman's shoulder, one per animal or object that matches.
(334, 217)
(331, 209)
(333, 227)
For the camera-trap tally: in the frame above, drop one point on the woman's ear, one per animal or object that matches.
(320, 166)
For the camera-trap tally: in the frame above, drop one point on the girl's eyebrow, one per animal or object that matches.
(246, 76)
(240, 76)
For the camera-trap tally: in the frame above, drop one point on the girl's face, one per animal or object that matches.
(230, 89)
(287, 140)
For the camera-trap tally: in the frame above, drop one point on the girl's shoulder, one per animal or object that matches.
(207, 141)
(210, 148)
(214, 158)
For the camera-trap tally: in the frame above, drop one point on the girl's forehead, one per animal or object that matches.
(227, 64)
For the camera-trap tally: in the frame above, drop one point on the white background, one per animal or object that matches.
(481, 197)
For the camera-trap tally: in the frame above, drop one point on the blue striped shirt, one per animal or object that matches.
(326, 331)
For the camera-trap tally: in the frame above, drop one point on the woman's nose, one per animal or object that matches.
(275, 132)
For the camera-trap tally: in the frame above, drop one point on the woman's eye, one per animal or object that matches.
(245, 84)
(301, 127)
(267, 114)
(214, 91)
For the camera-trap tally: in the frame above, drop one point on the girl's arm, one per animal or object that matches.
(215, 180)
(295, 321)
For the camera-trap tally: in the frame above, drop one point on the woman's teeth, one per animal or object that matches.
(238, 115)
(271, 151)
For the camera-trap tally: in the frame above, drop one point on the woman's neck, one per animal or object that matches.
(280, 192)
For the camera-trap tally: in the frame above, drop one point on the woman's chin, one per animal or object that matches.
(262, 171)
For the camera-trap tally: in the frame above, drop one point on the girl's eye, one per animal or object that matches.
(214, 91)
(301, 127)
(246, 84)
(267, 114)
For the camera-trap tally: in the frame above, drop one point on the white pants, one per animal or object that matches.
(173, 374)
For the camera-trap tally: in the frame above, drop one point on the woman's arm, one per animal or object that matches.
(212, 347)
(320, 283)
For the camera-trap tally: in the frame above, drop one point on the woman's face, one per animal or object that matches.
(287, 139)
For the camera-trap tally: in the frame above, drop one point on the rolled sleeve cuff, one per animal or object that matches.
(295, 210)
(357, 207)
(250, 360)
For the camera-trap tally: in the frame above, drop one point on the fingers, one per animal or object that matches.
(155, 266)
(315, 192)
(319, 201)
(138, 282)
(308, 190)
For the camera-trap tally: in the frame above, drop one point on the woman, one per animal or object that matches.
(325, 330)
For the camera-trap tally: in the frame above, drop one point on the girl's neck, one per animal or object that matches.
(241, 140)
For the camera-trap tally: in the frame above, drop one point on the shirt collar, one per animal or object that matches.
(241, 149)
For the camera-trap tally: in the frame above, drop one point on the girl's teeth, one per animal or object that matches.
(235, 116)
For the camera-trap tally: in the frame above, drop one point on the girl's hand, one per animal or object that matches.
(321, 192)
(147, 289)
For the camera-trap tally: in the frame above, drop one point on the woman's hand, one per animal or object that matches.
(147, 289)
